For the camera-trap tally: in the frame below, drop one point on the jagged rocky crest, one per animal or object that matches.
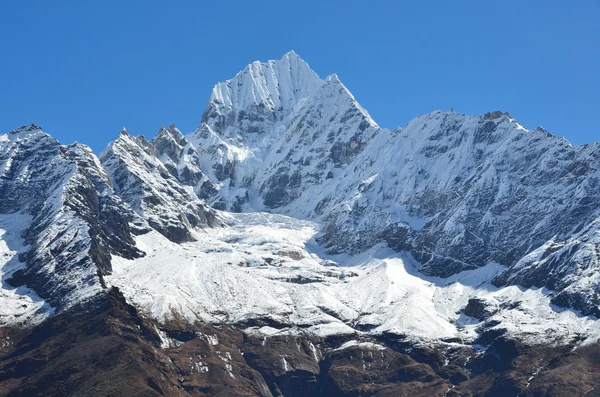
(145, 175)
(77, 220)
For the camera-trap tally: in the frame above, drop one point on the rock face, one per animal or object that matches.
(77, 220)
(289, 246)
(569, 267)
(479, 308)
(151, 187)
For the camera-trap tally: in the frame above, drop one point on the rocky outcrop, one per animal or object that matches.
(151, 186)
(77, 220)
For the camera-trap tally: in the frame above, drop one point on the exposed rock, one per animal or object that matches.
(145, 183)
(77, 220)
(480, 309)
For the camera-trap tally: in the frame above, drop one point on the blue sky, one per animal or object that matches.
(82, 70)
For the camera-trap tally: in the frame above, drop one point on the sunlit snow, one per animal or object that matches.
(18, 306)
(268, 267)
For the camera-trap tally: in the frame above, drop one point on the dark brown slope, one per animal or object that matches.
(109, 349)
(113, 351)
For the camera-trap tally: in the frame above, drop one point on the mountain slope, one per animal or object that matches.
(77, 222)
(147, 185)
(458, 192)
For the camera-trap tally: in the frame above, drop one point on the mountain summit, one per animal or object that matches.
(259, 97)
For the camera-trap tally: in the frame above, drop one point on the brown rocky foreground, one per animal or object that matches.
(112, 350)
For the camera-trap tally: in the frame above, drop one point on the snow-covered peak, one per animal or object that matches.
(175, 132)
(333, 95)
(144, 176)
(26, 128)
(124, 143)
(27, 134)
(75, 221)
(172, 133)
(275, 86)
(168, 144)
(19, 142)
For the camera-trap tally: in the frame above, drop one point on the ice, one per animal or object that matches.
(225, 276)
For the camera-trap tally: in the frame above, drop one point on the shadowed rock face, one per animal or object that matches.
(153, 188)
(479, 309)
(78, 222)
(107, 348)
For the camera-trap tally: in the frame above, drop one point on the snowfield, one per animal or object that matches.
(269, 268)
(19, 307)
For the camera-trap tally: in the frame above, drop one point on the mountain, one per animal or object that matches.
(290, 246)
(74, 220)
(151, 187)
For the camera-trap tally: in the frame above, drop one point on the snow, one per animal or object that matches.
(276, 84)
(225, 276)
(21, 306)
(364, 345)
(44, 181)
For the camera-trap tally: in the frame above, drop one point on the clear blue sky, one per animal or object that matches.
(84, 69)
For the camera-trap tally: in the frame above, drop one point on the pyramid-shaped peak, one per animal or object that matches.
(333, 82)
(162, 132)
(290, 62)
(333, 94)
(170, 134)
(291, 53)
(173, 130)
(276, 86)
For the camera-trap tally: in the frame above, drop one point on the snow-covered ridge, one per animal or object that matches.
(76, 220)
(144, 175)
(276, 85)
